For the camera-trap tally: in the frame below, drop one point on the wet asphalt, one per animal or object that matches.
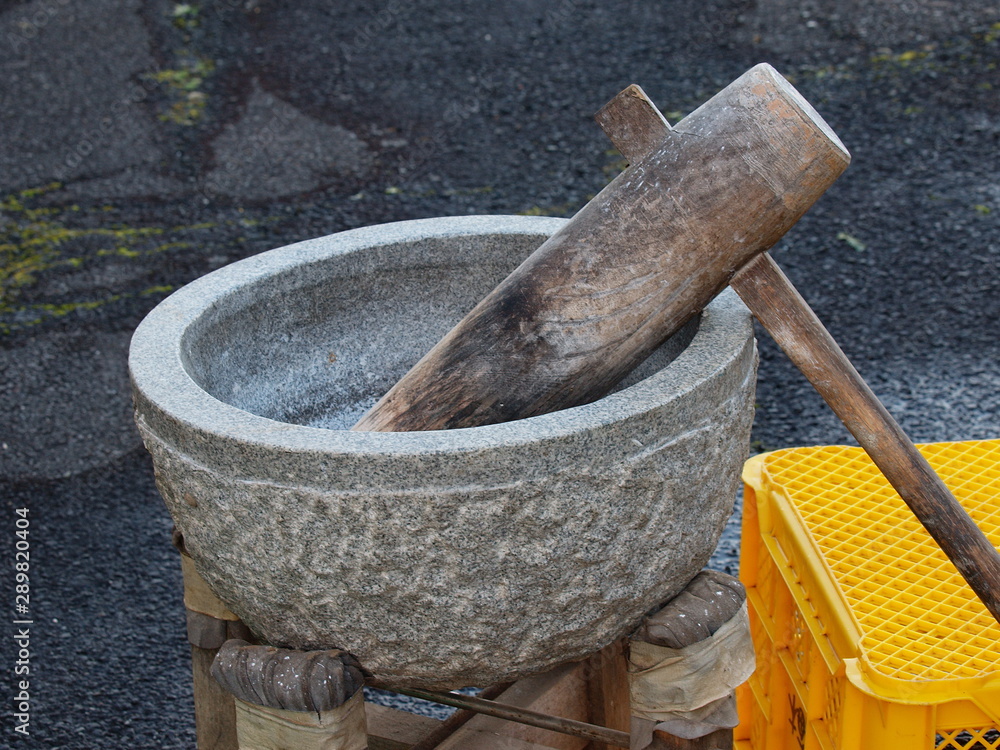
(145, 143)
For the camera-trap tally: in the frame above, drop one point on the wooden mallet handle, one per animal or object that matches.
(794, 326)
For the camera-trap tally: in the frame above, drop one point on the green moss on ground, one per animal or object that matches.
(38, 243)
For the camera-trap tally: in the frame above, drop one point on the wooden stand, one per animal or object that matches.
(209, 625)
(262, 698)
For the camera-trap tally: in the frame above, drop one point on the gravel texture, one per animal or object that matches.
(121, 178)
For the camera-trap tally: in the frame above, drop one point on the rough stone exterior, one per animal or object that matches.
(439, 559)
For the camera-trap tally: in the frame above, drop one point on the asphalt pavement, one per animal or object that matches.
(144, 143)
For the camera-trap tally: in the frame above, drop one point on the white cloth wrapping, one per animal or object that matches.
(688, 692)
(341, 728)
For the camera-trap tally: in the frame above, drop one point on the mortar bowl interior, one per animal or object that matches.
(317, 345)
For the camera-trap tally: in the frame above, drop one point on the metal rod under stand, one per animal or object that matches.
(209, 625)
(684, 663)
(599, 736)
(458, 719)
(701, 637)
(306, 700)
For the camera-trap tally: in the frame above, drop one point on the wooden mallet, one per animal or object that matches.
(696, 210)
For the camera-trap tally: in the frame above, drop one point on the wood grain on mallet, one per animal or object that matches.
(635, 264)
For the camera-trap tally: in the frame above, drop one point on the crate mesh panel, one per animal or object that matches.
(920, 619)
(968, 739)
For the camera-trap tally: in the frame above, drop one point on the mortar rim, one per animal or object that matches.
(165, 390)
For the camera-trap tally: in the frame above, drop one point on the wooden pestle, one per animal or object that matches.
(632, 267)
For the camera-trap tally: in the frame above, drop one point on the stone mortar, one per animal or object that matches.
(442, 558)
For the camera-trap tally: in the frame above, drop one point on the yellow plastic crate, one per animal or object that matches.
(866, 635)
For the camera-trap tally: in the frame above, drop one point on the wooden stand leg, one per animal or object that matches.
(607, 690)
(720, 739)
(209, 624)
(684, 663)
(214, 712)
(293, 700)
